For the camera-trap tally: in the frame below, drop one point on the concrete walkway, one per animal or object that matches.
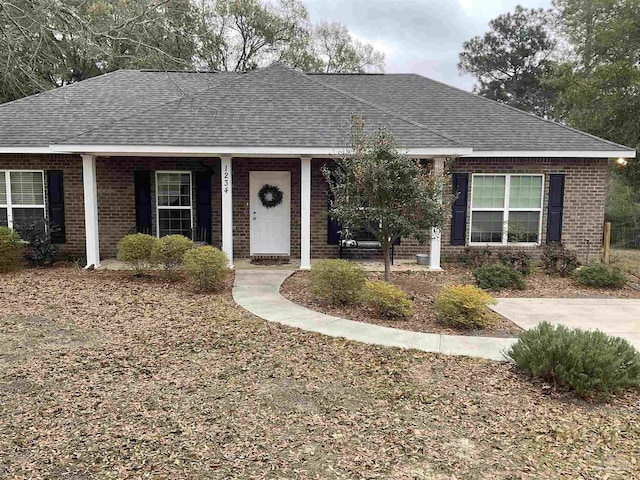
(258, 291)
(620, 317)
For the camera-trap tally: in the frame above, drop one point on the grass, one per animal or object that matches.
(104, 376)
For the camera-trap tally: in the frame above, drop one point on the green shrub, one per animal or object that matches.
(474, 257)
(464, 306)
(517, 260)
(338, 281)
(559, 260)
(169, 252)
(498, 276)
(585, 361)
(207, 267)
(599, 275)
(10, 250)
(388, 300)
(136, 251)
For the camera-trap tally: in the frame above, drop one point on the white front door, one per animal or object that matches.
(270, 230)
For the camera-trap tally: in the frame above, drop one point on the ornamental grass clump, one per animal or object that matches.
(136, 251)
(588, 362)
(169, 252)
(601, 276)
(388, 300)
(464, 306)
(338, 282)
(10, 250)
(207, 267)
(498, 276)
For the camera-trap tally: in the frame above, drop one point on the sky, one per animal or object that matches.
(418, 36)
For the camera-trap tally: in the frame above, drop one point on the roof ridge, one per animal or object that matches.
(136, 113)
(370, 104)
(494, 102)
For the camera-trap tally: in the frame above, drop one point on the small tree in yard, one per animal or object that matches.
(378, 188)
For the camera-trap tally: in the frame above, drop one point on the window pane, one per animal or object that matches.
(174, 222)
(488, 191)
(523, 227)
(174, 189)
(486, 227)
(526, 191)
(27, 188)
(24, 218)
(4, 219)
(3, 189)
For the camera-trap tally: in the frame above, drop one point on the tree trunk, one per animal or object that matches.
(386, 252)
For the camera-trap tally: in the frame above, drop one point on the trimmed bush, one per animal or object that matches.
(10, 250)
(498, 276)
(338, 282)
(169, 252)
(207, 267)
(602, 276)
(517, 260)
(585, 361)
(388, 300)
(136, 251)
(559, 260)
(464, 306)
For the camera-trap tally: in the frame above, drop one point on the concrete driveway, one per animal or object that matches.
(619, 317)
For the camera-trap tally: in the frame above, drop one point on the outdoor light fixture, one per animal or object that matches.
(621, 161)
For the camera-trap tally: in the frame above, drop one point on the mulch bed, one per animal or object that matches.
(105, 376)
(422, 286)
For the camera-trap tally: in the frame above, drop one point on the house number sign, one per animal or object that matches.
(226, 179)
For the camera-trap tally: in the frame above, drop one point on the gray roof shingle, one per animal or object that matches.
(274, 107)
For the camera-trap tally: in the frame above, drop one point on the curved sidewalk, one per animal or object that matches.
(258, 291)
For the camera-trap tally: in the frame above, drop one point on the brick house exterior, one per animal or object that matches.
(131, 132)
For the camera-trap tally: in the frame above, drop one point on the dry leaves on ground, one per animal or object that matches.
(104, 376)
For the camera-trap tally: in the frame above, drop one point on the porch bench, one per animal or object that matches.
(352, 244)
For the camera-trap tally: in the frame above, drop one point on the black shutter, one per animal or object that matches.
(459, 210)
(556, 204)
(333, 231)
(55, 189)
(142, 182)
(203, 203)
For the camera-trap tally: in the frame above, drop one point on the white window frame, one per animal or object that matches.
(506, 209)
(170, 207)
(10, 206)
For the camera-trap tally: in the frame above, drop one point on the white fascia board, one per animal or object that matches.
(26, 150)
(555, 153)
(148, 150)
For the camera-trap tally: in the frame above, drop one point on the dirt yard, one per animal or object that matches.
(106, 377)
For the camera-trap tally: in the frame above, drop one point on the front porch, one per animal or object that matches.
(217, 197)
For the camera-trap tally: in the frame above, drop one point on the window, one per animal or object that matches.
(22, 199)
(506, 208)
(173, 194)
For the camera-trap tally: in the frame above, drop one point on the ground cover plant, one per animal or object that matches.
(498, 276)
(589, 362)
(106, 376)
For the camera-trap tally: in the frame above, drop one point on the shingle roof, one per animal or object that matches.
(274, 107)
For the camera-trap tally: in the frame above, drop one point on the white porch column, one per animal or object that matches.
(305, 213)
(92, 232)
(227, 207)
(436, 237)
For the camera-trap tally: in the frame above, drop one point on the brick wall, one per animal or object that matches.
(585, 191)
(71, 165)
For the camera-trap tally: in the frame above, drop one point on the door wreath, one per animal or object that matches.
(270, 196)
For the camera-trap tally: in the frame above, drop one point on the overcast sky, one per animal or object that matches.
(418, 36)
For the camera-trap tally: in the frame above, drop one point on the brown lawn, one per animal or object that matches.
(102, 376)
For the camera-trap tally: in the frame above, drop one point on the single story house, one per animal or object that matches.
(198, 153)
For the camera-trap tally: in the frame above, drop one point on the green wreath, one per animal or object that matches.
(270, 196)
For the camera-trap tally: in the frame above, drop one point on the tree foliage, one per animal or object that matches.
(50, 43)
(511, 59)
(378, 188)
